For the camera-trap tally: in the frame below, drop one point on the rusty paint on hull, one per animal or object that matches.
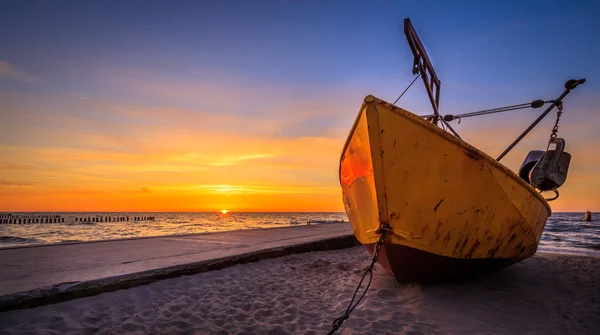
(441, 196)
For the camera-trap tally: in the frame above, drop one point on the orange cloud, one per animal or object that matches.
(239, 146)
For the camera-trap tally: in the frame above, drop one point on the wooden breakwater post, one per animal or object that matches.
(90, 219)
(143, 218)
(30, 218)
(588, 216)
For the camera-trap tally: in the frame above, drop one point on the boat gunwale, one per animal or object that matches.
(370, 99)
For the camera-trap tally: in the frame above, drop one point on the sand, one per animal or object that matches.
(304, 293)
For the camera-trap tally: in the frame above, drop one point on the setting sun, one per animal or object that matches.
(224, 211)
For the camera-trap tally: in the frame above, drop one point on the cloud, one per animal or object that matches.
(211, 93)
(14, 166)
(9, 71)
(238, 160)
(311, 127)
(143, 190)
(16, 183)
(192, 143)
(227, 189)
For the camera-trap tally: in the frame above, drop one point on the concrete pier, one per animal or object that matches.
(37, 275)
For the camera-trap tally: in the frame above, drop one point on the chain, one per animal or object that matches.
(559, 106)
(377, 249)
(553, 135)
(337, 323)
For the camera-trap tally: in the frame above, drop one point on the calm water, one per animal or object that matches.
(564, 232)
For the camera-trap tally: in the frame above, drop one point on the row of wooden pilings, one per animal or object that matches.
(25, 219)
(27, 216)
(115, 219)
(21, 219)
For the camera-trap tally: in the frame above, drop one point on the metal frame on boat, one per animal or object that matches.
(431, 207)
(436, 207)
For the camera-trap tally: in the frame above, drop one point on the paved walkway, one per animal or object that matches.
(36, 275)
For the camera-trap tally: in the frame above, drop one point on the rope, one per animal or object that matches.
(534, 104)
(407, 88)
(495, 110)
(443, 124)
(337, 323)
(450, 127)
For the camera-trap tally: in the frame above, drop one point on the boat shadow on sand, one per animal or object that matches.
(546, 294)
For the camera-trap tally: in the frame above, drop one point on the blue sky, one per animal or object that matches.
(119, 72)
(513, 46)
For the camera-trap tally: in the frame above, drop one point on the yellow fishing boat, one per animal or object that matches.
(431, 206)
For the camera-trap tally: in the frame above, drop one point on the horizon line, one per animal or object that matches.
(216, 211)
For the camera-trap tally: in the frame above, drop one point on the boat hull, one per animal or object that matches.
(454, 211)
(412, 265)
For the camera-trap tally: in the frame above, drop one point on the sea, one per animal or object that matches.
(564, 232)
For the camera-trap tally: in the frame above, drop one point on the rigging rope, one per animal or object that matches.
(533, 104)
(417, 77)
(444, 124)
(450, 127)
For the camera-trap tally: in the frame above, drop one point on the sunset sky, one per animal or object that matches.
(245, 105)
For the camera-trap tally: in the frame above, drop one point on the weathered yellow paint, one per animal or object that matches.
(439, 194)
(356, 173)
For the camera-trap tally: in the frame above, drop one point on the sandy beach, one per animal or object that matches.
(303, 293)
